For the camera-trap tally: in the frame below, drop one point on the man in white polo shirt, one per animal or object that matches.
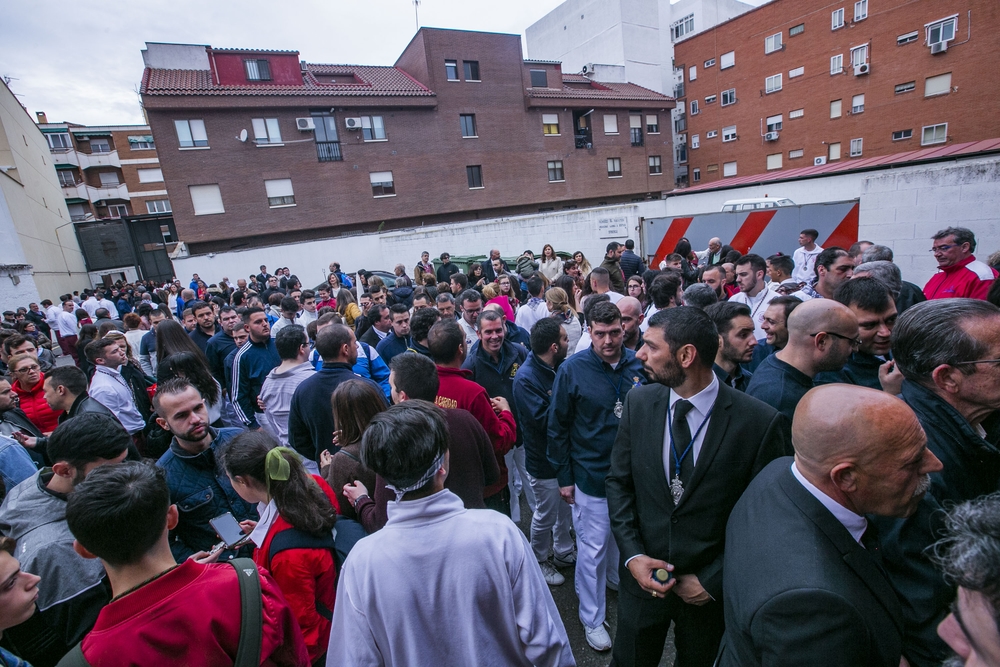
(754, 292)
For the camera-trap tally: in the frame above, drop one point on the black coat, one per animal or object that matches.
(799, 589)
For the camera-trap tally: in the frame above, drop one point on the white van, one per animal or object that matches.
(753, 204)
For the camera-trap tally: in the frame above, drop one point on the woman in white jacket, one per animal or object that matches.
(550, 265)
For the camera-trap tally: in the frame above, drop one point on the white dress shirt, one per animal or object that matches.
(110, 389)
(854, 523)
(66, 323)
(702, 404)
(757, 305)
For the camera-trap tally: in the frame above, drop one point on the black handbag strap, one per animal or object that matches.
(252, 613)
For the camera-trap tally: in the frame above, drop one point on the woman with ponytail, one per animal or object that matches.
(294, 536)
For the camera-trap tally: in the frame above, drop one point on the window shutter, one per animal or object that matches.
(206, 199)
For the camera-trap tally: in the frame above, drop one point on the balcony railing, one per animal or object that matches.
(636, 133)
(583, 139)
(679, 90)
(329, 151)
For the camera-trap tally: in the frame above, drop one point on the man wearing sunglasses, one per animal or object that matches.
(961, 274)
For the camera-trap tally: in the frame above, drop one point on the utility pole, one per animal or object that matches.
(416, 12)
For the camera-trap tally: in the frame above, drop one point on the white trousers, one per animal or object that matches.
(517, 481)
(596, 556)
(551, 520)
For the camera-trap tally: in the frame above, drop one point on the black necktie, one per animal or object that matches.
(682, 438)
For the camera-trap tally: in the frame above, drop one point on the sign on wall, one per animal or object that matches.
(613, 227)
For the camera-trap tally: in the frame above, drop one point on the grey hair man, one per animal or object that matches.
(905, 294)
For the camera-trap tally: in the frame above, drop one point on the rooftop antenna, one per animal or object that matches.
(416, 12)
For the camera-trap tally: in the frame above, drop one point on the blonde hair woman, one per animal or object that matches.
(558, 304)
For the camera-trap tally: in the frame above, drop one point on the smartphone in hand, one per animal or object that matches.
(228, 528)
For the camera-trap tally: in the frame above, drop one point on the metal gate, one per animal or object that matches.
(153, 237)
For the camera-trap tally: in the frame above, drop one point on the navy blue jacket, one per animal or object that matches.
(310, 418)
(861, 369)
(251, 364)
(516, 334)
(391, 345)
(218, 348)
(532, 397)
(202, 491)
(582, 425)
(781, 386)
(497, 379)
(201, 339)
(760, 353)
(632, 264)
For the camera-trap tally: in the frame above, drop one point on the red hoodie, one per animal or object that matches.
(33, 403)
(967, 278)
(458, 391)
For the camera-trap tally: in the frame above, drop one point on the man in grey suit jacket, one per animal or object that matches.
(686, 449)
(804, 578)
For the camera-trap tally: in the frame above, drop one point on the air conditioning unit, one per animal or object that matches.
(863, 68)
(352, 123)
(771, 136)
(305, 124)
(938, 47)
(817, 161)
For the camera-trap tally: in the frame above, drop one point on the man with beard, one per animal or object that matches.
(754, 291)
(687, 447)
(715, 277)
(804, 581)
(552, 519)
(833, 268)
(736, 332)
(774, 327)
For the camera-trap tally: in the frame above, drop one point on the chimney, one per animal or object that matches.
(41, 117)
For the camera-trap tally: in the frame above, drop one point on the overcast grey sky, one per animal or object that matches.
(81, 62)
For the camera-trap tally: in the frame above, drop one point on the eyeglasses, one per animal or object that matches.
(943, 248)
(28, 369)
(977, 361)
(855, 342)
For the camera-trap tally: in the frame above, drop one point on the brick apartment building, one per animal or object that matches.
(460, 128)
(797, 82)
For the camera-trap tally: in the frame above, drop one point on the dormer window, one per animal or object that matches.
(257, 69)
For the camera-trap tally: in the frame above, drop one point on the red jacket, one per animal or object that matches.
(458, 391)
(191, 616)
(304, 576)
(33, 404)
(968, 278)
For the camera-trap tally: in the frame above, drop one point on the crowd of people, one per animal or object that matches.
(791, 460)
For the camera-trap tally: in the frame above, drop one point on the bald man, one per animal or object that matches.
(632, 318)
(804, 579)
(822, 334)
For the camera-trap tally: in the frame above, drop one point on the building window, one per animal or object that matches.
(899, 135)
(382, 185)
(150, 175)
(474, 174)
(709, 63)
(652, 124)
(796, 113)
(257, 70)
(141, 142)
(695, 141)
(451, 69)
(907, 38)
(680, 28)
(856, 147)
(711, 134)
(206, 199)
(835, 108)
(774, 161)
(860, 10)
(165, 233)
(836, 64)
(694, 107)
(117, 210)
(372, 128)
(158, 206)
(681, 153)
(610, 124)
(795, 154)
(729, 133)
(191, 133)
(266, 131)
(327, 140)
(937, 85)
(66, 178)
(468, 122)
(837, 19)
(859, 55)
(655, 165)
(728, 169)
(858, 103)
(834, 152)
(907, 87)
(550, 124)
(279, 192)
(710, 99)
(798, 71)
(728, 97)
(727, 60)
(772, 43)
(696, 175)
(59, 143)
(539, 78)
(774, 123)
(941, 32)
(614, 167)
(471, 70)
(934, 134)
(100, 146)
(681, 124)
(635, 129)
(693, 73)
(772, 84)
(109, 179)
(797, 30)
(556, 171)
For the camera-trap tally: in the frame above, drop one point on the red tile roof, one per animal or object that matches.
(597, 91)
(929, 154)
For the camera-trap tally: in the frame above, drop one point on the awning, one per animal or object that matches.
(66, 166)
(135, 139)
(82, 134)
(76, 200)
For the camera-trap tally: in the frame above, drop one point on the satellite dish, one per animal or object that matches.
(243, 135)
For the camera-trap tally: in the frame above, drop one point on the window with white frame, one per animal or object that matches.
(257, 69)
(109, 179)
(856, 147)
(934, 134)
(728, 97)
(652, 124)
(141, 142)
(614, 167)
(100, 146)
(680, 28)
(191, 133)
(772, 84)
(858, 103)
(709, 63)
(610, 123)
(941, 32)
(907, 87)
(372, 128)
(117, 210)
(774, 123)
(66, 177)
(158, 206)
(279, 192)
(556, 174)
(711, 134)
(727, 60)
(837, 19)
(899, 135)
(729, 133)
(59, 142)
(795, 154)
(451, 70)
(860, 10)
(206, 199)
(382, 184)
(859, 55)
(798, 71)
(835, 108)
(655, 165)
(696, 175)
(693, 73)
(907, 38)
(772, 43)
(837, 64)
(937, 85)
(834, 151)
(266, 131)
(695, 141)
(774, 161)
(728, 169)
(710, 99)
(150, 175)
(694, 107)
(796, 113)
(550, 124)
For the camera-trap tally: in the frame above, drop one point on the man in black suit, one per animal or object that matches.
(805, 584)
(686, 449)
